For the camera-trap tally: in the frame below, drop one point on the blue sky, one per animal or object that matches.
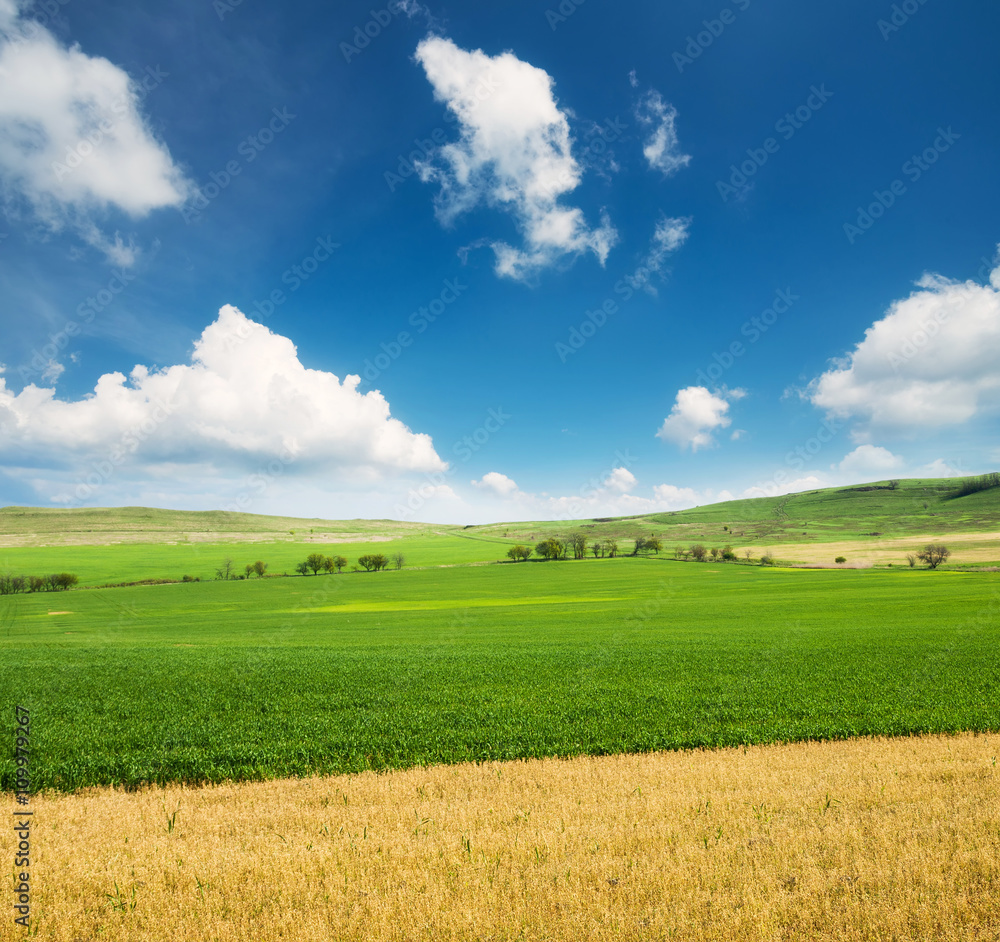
(466, 263)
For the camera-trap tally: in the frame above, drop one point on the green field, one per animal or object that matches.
(114, 545)
(274, 677)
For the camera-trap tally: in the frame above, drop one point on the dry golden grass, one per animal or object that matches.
(860, 840)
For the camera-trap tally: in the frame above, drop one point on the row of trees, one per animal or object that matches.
(56, 582)
(698, 552)
(553, 548)
(314, 563)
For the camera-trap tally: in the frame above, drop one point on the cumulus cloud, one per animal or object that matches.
(497, 484)
(244, 398)
(513, 152)
(779, 486)
(604, 495)
(621, 480)
(696, 414)
(933, 360)
(75, 142)
(661, 148)
(939, 468)
(870, 459)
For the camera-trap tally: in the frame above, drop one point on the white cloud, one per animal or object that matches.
(939, 468)
(933, 360)
(497, 484)
(603, 496)
(245, 398)
(52, 371)
(870, 459)
(513, 152)
(777, 487)
(662, 147)
(74, 141)
(677, 498)
(696, 414)
(621, 480)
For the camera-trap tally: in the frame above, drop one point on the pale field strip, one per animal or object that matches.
(887, 839)
(965, 548)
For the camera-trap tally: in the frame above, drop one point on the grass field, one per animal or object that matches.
(871, 525)
(338, 673)
(517, 751)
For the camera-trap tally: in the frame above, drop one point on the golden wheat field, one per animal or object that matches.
(863, 839)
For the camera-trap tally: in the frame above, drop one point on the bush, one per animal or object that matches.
(727, 553)
(767, 560)
(699, 552)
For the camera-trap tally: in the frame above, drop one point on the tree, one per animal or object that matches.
(302, 569)
(519, 553)
(36, 584)
(911, 559)
(934, 554)
(62, 581)
(640, 545)
(551, 549)
(727, 553)
(654, 545)
(714, 552)
(339, 562)
(579, 543)
(315, 562)
(679, 552)
(699, 552)
(328, 564)
(612, 546)
(597, 548)
(841, 559)
(373, 561)
(225, 571)
(248, 569)
(399, 560)
(767, 559)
